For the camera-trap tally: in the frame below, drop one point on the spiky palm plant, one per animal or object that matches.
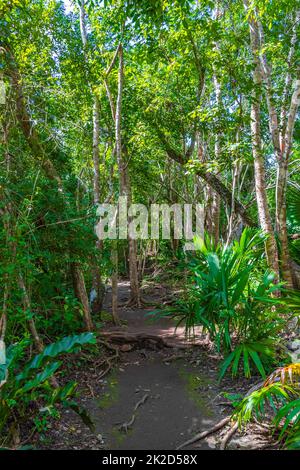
(230, 295)
(281, 392)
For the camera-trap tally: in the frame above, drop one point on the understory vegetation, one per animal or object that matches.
(232, 295)
(165, 102)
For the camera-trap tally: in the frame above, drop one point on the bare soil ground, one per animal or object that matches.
(153, 397)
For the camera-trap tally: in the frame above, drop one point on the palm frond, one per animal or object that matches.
(284, 374)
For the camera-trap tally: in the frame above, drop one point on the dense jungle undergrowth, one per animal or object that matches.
(178, 330)
(217, 349)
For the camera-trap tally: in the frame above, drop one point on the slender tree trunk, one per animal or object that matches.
(27, 306)
(216, 200)
(281, 185)
(98, 288)
(96, 142)
(32, 326)
(278, 138)
(80, 290)
(259, 165)
(125, 185)
(114, 284)
(235, 178)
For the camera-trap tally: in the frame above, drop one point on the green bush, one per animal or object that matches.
(25, 387)
(231, 294)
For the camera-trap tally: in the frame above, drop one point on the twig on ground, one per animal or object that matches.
(125, 426)
(174, 357)
(142, 401)
(219, 426)
(91, 390)
(203, 434)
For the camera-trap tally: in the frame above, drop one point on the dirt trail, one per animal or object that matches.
(135, 321)
(173, 399)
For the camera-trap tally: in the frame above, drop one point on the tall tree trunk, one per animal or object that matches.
(125, 189)
(235, 177)
(98, 288)
(281, 185)
(278, 139)
(216, 200)
(259, 165)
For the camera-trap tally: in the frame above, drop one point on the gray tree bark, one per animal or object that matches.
(259, 166)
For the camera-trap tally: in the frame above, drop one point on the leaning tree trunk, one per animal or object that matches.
(259, 165)
(209, 178)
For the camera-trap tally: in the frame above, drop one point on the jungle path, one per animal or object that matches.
(156, 398)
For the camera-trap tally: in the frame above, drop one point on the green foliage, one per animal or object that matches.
(291, 301)
(65, 345)
(231, 296)
(26, 382)
(293, 198)
(290, 415)
(254, 405)
(280, 393)
(188, 82)
(234, 398)
(260, 352)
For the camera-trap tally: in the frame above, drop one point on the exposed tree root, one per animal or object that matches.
(108, 345)
(108, 360)
(127, 425)
(139, 339)
(110, 364)
(228, 436)
(135, 303)
(141, 402)
(91, 390)
(142, 340)
(224, 403)
(221, 424)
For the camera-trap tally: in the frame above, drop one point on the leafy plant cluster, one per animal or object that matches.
(280, 395)
(234, 298)
(28, 389)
